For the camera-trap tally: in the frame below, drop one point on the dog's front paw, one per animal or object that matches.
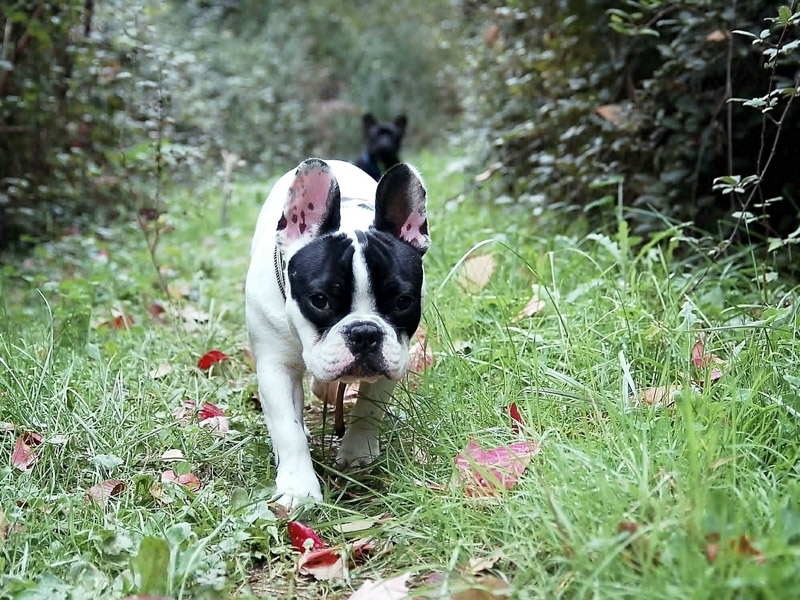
(294, 491)
(357, 451)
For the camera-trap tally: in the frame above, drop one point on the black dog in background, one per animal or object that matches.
(381, 144)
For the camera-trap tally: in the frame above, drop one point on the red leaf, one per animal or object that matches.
(323, 564)
(516, 418)
(485, 472)
(299, 534)
(712, 546)
(211, 357)
(188, 480)
(23, 457)
(120, 322)
(156, 311)
(420, 356)
(743, 547)
(701, 359)
(102, 493)
(209, 410)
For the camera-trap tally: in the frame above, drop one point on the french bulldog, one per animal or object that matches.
(381, 144)
(335, 287)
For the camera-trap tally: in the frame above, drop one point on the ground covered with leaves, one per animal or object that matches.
(592, 419)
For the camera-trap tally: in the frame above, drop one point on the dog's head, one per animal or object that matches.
(354, 299)
(382, 140)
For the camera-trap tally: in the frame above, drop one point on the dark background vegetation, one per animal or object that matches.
(568, 104)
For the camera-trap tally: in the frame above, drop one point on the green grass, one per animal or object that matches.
(723, 460)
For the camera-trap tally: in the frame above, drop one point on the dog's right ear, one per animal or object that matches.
(368, 122)
(401, 206)
(312, 205)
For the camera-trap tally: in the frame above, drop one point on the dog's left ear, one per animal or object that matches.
(312, 205)
(400, 122)
(401, 206)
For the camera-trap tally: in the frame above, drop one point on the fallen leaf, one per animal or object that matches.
(156, 311)
(743, 547)
(102, 493)
(210, 358)
(249, 359)
(657, 396)
(304, 538)
(216, 425)
(162, 370)
(477, 564)
(717, 36)
(121, 322)
(516, 418)
(609, 112)
(481, 177)
(188, 480)
(23, 457)
(324, 564)
(484, 472)
(420, 355)
(209, 411)
(712, 546)
(476, 272)
(487, 587)
(173, 454)
(702, 360)
(534, 306)
(490, 34)
(395, 588)
(436, 487)
(355, 526)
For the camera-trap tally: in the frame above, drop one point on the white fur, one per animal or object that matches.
(285, 344)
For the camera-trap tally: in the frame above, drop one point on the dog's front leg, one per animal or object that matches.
(360, 444)
(281, 390)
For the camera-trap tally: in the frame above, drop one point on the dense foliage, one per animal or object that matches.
(106, 101)
(576, 96)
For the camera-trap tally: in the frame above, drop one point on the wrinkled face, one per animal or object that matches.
(355, 302)
(354, 299)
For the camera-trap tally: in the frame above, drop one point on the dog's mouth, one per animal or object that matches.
(362, 371)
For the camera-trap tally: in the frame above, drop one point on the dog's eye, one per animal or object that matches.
(318, 301)
(404, 302)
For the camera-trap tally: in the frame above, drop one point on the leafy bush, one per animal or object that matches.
(573, 95)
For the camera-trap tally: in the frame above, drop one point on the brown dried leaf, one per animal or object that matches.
(534, 306)
(717, 36)
(102, 493)
(476, 272)
(657, 396)
(484, 563)
(609, 112)
(487, 587)
(188, 480)
(394, 588)
(162, 370)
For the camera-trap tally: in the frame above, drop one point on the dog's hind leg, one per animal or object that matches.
(360, 444)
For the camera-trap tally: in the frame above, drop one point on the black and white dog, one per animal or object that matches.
(335, 287)
(381, 144)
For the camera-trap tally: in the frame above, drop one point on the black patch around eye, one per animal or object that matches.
(323, 266)
(395, 269)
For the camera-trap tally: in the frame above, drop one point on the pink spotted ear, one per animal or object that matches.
(312, 204)
(400, 206)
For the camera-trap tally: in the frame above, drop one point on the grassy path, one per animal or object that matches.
(624, 500)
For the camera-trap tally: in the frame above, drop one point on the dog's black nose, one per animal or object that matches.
(363, 337)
